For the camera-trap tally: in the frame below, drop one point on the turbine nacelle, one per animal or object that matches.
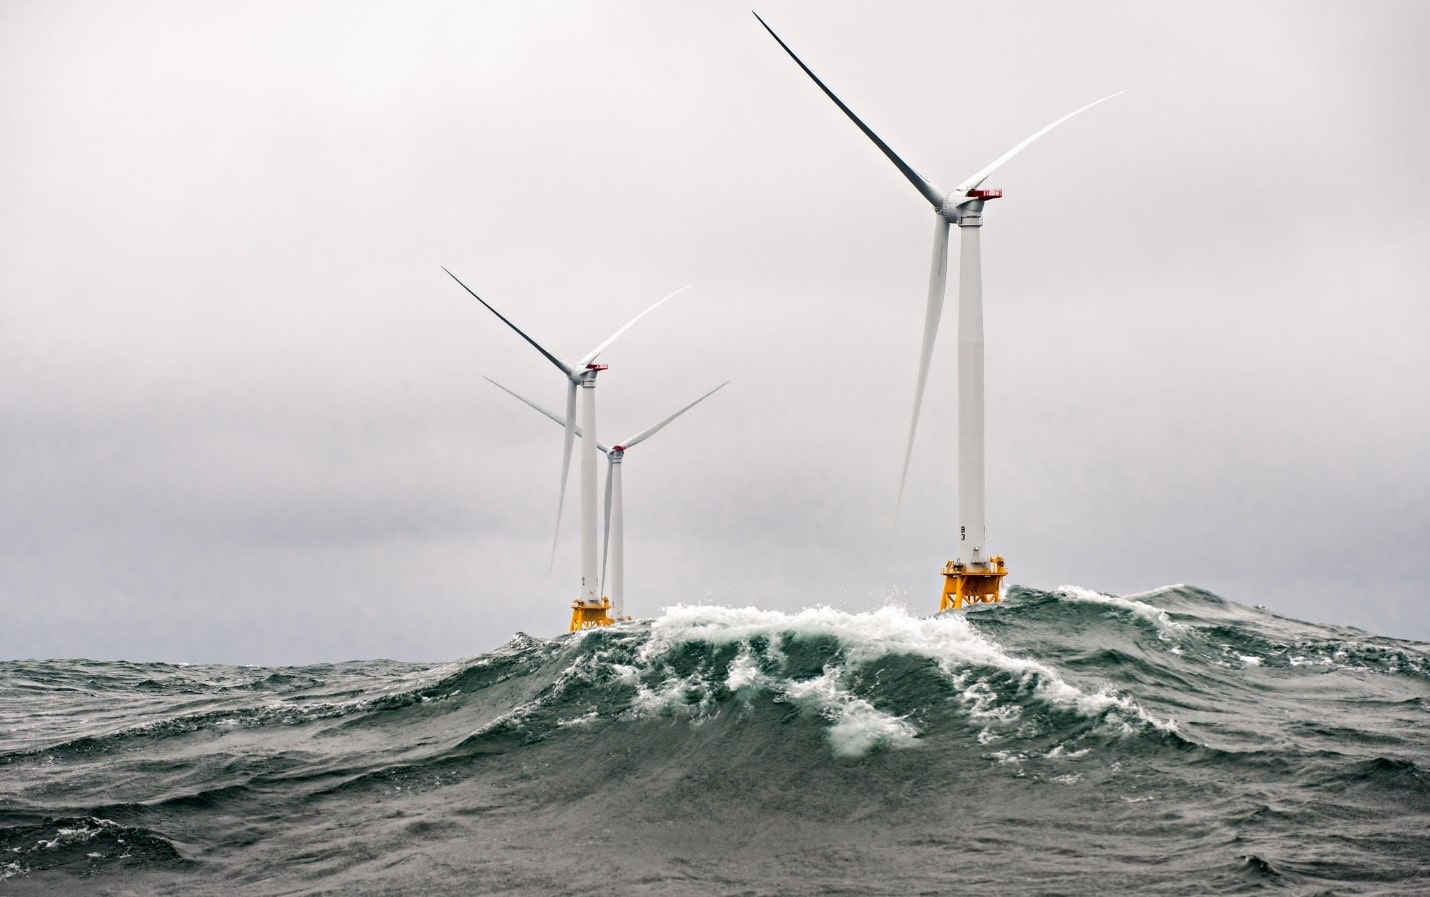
(587, 376)
(958, 209)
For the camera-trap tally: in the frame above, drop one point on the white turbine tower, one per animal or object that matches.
(589, 609)
(974, 575)
(614, 544)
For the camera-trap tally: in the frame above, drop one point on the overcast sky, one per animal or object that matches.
(242, 414)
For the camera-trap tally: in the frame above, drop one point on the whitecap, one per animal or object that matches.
(949, 640)
(858, 726)
(1166, 626)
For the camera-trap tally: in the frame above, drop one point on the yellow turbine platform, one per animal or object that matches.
(590, 614)
(964, 585)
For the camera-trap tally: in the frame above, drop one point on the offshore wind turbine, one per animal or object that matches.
(973, 576)
(589, 609)
(613, 546)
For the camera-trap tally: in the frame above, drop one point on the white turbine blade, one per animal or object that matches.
(923, 186)
(570, 423)
(549, 357)
(650, 431)
(938, 278)
(606, 527)
(612, 338)
(979, 178)
(514, 394)
(546, 411)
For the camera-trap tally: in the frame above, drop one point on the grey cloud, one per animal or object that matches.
(242, 415)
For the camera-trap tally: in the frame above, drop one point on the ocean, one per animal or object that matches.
(1063, 742)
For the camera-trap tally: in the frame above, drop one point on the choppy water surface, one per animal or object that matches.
(1062, 743)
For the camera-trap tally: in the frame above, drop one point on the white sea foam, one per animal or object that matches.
(583, 720)
(865, 637)
(744, 672)
(949, 640)
(1166, 626)
(858, 726)
(673, 695)
(86, 830)
(980, 702)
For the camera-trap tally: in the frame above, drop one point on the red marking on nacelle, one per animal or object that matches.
(597, 367)
(618, 448)
(985, 194)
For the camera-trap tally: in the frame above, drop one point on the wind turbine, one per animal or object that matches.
(614, 544)
(973, 576)
(589, 609)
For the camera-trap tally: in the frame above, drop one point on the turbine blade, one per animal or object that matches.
(938, 278)
(612, 338)
(923, 186)
(549, 357)
(513, 393)
(650, 431)
(606, 539)
(979, 178)
(544, 410)
(570, 423)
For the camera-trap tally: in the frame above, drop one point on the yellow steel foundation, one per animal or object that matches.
(965, 585)
(590, 615)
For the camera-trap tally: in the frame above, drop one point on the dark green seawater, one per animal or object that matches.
(1062, 743)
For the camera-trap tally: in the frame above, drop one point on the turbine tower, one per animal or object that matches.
(590, 608)
(974, 576)
(614, 545)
